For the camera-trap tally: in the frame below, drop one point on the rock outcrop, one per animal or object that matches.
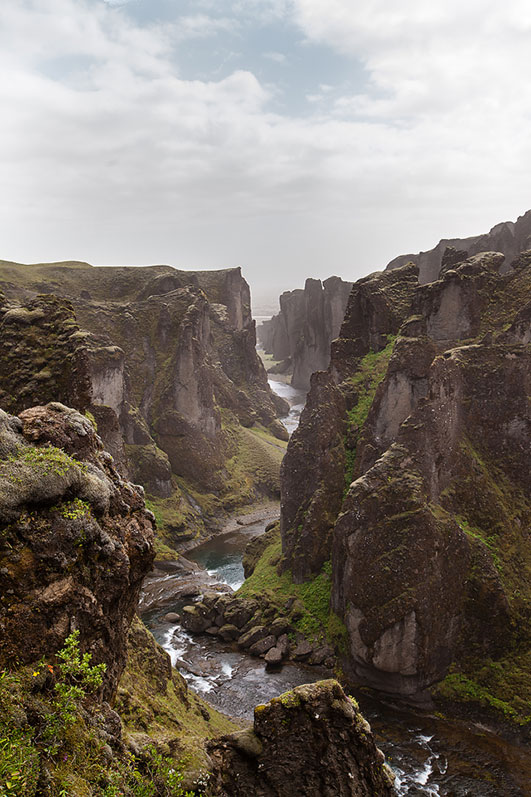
(510, 238)
(164, 360)
(410, 467)
(75, 543)
(308, 321)
(311, 742)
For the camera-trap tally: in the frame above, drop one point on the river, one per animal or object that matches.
(431, 757)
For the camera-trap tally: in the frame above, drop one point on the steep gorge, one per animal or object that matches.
(301, 333)
(165, 362)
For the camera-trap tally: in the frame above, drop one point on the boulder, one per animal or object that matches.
(312, 741)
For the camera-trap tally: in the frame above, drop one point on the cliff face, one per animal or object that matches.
(510, 238)
(164, 360)
(308, 321)
(410, 465)
(76, 541)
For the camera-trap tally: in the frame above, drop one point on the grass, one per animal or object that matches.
(311, 610)
(502, 687)
(51, 721)
(371, 372)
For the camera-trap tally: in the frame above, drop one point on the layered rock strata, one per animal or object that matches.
(410, 469)
(308, 321)
(510, 238)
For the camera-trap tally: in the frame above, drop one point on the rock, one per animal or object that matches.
(280, 626)
(171, 617)
(263, 645)
(274, 656)
(312, 741)
(197, 337)
(193, 620)
(253, 635)
(301, 651)
(283, 645)
(229, 632)
(510, 238)
(255, 548)
(320, 655)
(431, 430)
(72, 522)
(308, 321)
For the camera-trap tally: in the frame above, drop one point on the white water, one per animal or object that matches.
(296, 400)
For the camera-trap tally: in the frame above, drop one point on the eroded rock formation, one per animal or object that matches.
(510, 238)
(75, 543)
(164, 360)
(308, 321)
(311, 742)
(411, 468)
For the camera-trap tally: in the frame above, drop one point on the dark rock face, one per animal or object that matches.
(308, 321)
(312, 475)
(430, 558)
(75, 541)
(510, 238)
(153, 353)
(311, 742)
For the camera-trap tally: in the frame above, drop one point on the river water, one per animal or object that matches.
(431, 757)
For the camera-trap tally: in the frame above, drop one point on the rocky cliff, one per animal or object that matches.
(76, 541)
(308, 321)
(277, 758)
(510, 238)
(410, 470)
(163, 359)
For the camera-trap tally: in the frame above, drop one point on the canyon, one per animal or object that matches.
(300, 335)
(137, 422)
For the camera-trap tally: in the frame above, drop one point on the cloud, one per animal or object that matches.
(108, 154)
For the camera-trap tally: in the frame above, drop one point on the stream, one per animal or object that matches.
(429, 756)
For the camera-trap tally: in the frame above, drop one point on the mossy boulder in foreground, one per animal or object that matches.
(311, 741)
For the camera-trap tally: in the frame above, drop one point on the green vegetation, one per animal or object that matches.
(48, 460)
(49, 719)
(310, 612)
(149, 701)
(74, 510)
(501, 687)
(92, 419)
(371, 371)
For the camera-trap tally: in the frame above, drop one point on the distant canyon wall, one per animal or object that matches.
(510, 238)
(308, 321)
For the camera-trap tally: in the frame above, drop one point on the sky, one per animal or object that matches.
(295, 138)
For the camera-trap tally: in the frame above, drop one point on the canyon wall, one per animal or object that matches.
(164, 360)
(510, 238)
(308, 321)
(410, 472)
(90, 702)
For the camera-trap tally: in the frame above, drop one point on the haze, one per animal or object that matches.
(295, 138)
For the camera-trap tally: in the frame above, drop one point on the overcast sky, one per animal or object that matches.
(292, 137)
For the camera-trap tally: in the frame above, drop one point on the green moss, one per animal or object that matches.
(313, 597)
(370, 373)
(503, 687)
(151, 702)
(74, 510)
(64, 735)
(48, 460)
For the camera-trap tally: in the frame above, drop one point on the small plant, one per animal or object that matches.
(76, 678)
